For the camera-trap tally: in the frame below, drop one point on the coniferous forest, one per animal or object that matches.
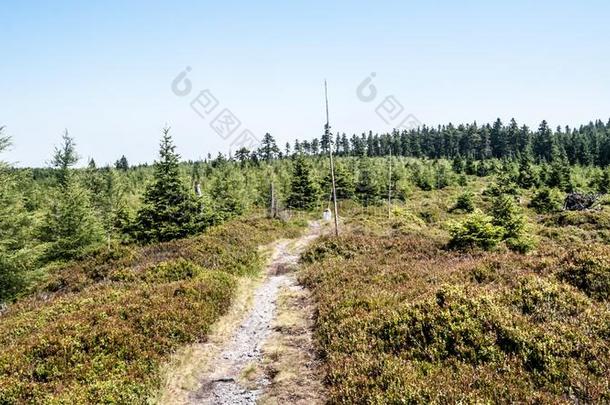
(475, 254)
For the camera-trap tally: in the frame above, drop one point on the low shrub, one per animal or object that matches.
(180, 269)
(584, 219)
(504, 185)
(522, 244)
(476, 231)
(464, 203)
(546, 200)
(508, 215)
(405, 220)
(588, 270)
(329, 247)
(451, 325)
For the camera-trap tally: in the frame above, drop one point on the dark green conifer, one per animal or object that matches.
(169, 210)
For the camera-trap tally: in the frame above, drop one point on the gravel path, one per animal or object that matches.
(225, 385)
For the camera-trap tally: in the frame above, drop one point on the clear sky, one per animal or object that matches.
(104, 70)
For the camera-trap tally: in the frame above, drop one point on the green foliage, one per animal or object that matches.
(107, 345)
(423, 177)
(228, 193)
(180, 269)
(560, 173)
(16, 253)
(122, 164)
(603, 185)
(484, 168)
(522, 244)
(304, 190)
(69, 228)
(442, 176)
(546, 200)
(509, 216)
(65, 157)
(470, 341)
(368, 187)
(344, 181)
(465, 202)
(458, 165)
(504, 185)
(169, 210)
(527, 177)
(268, 150)
(470, 167)
(476, 231)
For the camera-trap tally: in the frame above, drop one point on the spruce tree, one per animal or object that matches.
(16, 255)
(304, 190)
(526, 178)
(458, 164)
(315, 146)
(559, 175)
(269, 149)
(229, 193)
(169, 210)
(344, 181)
(543, 142)
(470, 167)
(64, 157)
(122, 164)
(508, 215)
(70, 227)
(112, 205)
(242, 155)
(603, 183)
(367, 187)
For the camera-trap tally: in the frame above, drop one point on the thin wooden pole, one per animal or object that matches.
(390, 187)
(332, 164)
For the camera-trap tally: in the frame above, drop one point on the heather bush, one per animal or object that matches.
(588, 270)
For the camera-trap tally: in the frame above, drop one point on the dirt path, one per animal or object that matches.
(239, 373)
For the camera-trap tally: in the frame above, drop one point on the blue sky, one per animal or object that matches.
(104, 70)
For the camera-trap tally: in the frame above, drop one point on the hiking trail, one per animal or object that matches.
(242, 368)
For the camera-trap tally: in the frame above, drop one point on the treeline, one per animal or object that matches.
(587, 145)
